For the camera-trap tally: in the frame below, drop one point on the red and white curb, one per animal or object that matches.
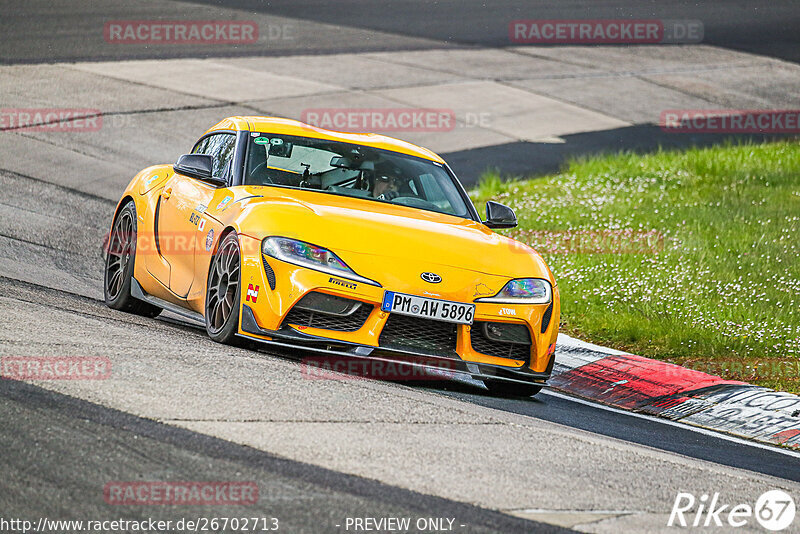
(666, 390)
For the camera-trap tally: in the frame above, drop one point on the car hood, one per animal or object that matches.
(357, 229)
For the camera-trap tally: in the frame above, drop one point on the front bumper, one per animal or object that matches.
(280, 286)
(288, 338)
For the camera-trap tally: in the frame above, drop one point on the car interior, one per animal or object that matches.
(351, 170)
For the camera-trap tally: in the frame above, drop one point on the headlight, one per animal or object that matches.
(523, 291)
(308, 255)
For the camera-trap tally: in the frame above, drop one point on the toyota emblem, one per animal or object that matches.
(431, 278)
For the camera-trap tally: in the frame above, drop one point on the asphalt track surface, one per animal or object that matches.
(41, 31)
(57, 451)
(648, 431)
(762, 27)
(183, 408)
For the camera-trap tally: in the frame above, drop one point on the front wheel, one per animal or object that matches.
(511, 389)
(222, 291)
(120, 259)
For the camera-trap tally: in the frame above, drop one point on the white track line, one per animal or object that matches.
(685, 426)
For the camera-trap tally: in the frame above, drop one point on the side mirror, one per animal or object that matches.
(198, 166)
(499, 216)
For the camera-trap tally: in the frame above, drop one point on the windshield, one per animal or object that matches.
(352, 170)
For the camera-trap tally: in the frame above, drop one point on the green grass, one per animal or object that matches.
(720, 293)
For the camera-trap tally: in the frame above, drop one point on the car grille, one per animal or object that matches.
(519, 347)
(328, 321)
(419, 335)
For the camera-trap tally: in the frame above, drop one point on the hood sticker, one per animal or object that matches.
(252, 293)
(482, 289)
(210, 239)
(224, 202)
(342, 283)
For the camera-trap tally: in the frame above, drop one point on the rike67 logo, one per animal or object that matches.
(774, 510)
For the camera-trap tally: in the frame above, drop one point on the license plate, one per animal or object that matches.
(439, 310)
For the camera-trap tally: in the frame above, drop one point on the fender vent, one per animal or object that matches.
(270, 273)
(548, 313)
(155, 225)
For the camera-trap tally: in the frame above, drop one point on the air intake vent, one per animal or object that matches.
(328, 312)
(501, 340)
(419, 335)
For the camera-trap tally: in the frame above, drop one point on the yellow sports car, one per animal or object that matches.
(347, 245)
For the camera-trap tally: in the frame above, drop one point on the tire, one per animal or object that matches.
(120, 260)
(223, 291)
(511, 389)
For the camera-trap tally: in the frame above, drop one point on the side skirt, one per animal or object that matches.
(138, 293)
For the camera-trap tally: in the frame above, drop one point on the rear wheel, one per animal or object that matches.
(120, 259)
(511, 389)
(222, 291)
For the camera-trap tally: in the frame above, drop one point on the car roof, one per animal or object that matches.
(281, 126)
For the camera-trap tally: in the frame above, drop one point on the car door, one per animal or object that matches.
(183, 203)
